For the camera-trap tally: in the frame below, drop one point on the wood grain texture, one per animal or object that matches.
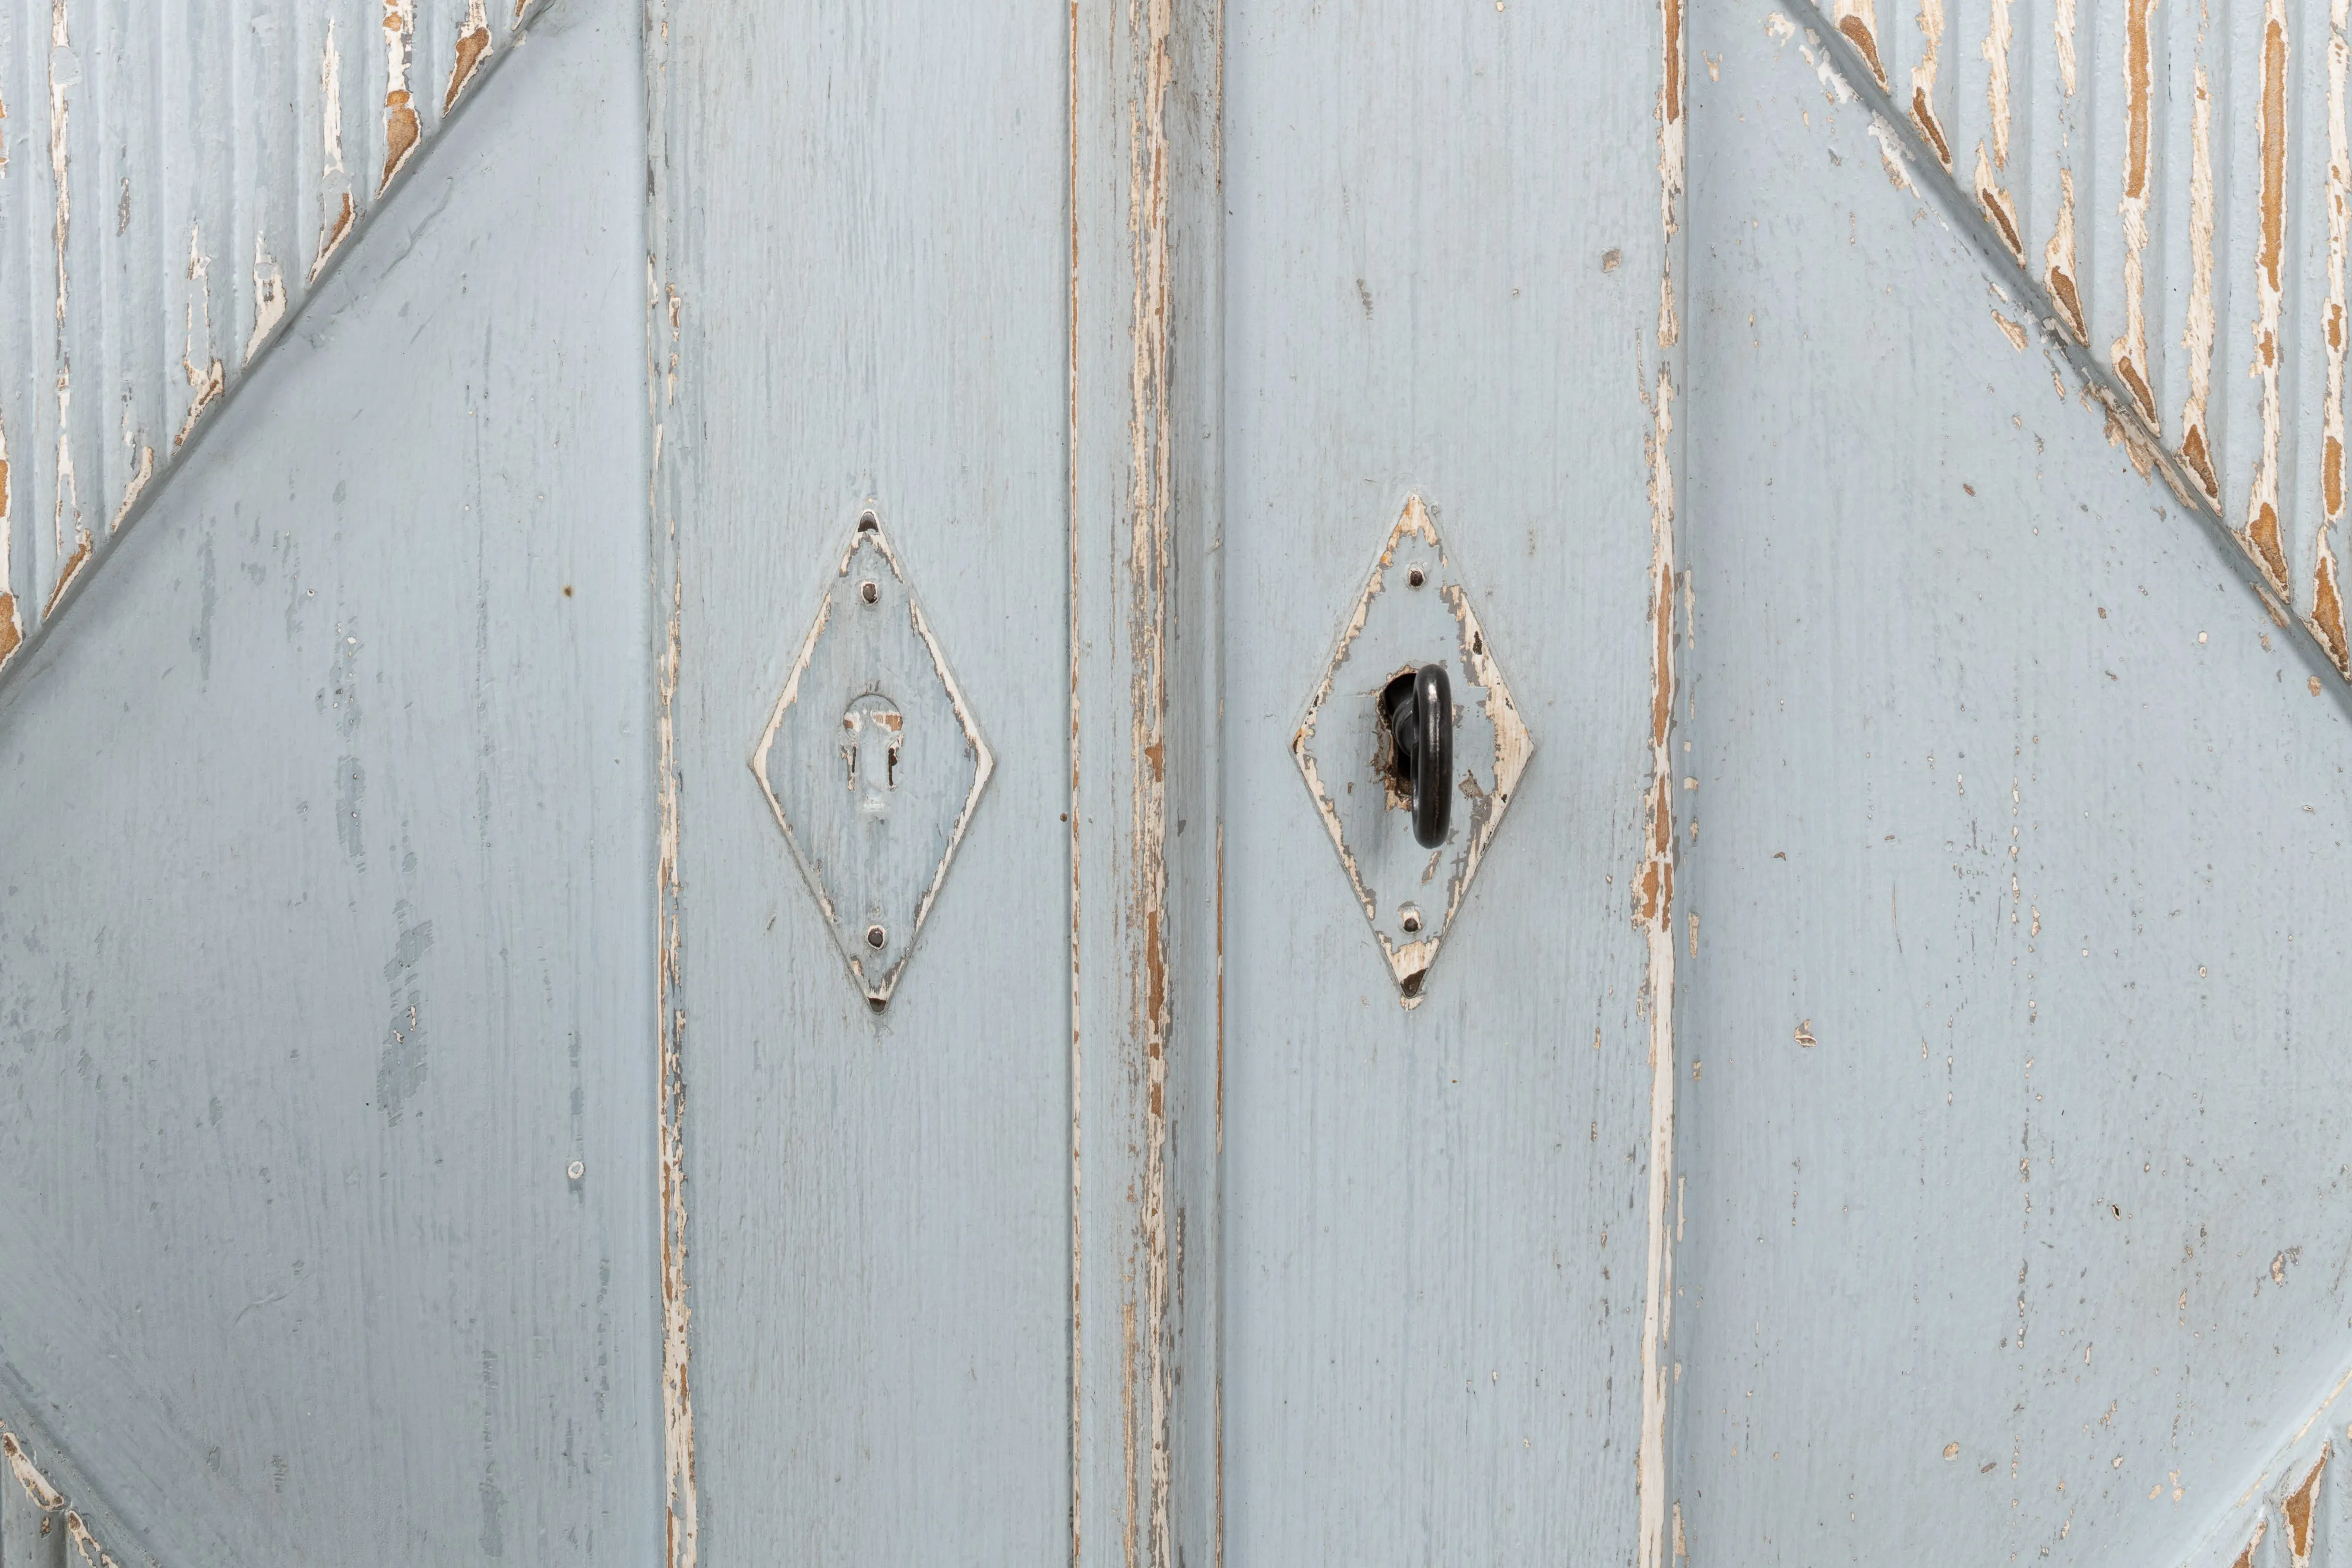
(174, 178)
(2015, 1209)
(1443, 267)
(328, 839)
(1147, 270)
(860, 270)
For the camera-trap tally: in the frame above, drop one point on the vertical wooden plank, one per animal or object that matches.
(857, 291)
(1448, 274)
(1145, 506)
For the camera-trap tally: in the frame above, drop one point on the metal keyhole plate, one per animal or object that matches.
(1414, 610)
(872, 763)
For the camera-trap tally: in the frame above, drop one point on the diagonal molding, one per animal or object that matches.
(43, 1490)
(166, 237)
(2081, 155)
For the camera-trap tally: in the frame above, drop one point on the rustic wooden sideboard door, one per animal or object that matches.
(716, 842)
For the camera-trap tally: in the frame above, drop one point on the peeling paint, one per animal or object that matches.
(269, 297)
(46, 1498)
(335, 183)
(2058, 261)
(1858, 20)
(1656, 876)
(1996, 49)
(2262, 530)
(2326, 618)
(472, 45)
(400, 127)
(2129, 352)
(12, 626)
(680, 1533)
(2197, 329)
(137, 485)
(1923, 80)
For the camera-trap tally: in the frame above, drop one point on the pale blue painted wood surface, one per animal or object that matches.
(324, 947)
(2014, 802)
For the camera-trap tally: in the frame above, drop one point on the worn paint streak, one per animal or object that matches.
(2129, 352)
(2196, 328)
(1149, 577)
(2261, 532)
(2062, 28)
(59, 42)
(12, 625)
(85, 1545)
(680, 1516)
(1656, 875)
(400, 127)
(269, 297)
(1858, 20)
(2326, 618)
(2058, 261)
(2297, 1510)
(132, 488)
(46, 1498)
(1992, 196)
(1077, 818)
(335, 183)
(1923, 78)
(1996, 48)
(203, 384)
(472, 45)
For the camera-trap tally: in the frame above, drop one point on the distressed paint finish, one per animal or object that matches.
(2009, 1047)
(2173, 174)
(1147, 270)
(1437, 1221)
(323, 974)
(866, 1274)
(174, 179)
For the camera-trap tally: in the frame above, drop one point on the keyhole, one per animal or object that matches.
(872, 732)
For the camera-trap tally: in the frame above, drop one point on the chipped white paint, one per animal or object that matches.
(44, 1496)
(401, 132)
(334, 181)
(1923, 80)
(1858, 21)
(2297, 1492)
(259, 162)
(269, 297)
(2058, 262)
(2260, 528)
(2128, 354)
(1655, 882)
(2325, 616)
(473, 43)
(2197, 329)
(1996, 48)
(137, 486)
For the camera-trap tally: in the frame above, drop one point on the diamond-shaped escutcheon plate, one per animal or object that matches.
(872, 763)
(1414, 610)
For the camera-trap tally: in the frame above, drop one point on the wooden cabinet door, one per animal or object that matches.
(710, 857)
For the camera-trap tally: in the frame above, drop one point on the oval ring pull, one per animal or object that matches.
(1421, 723)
